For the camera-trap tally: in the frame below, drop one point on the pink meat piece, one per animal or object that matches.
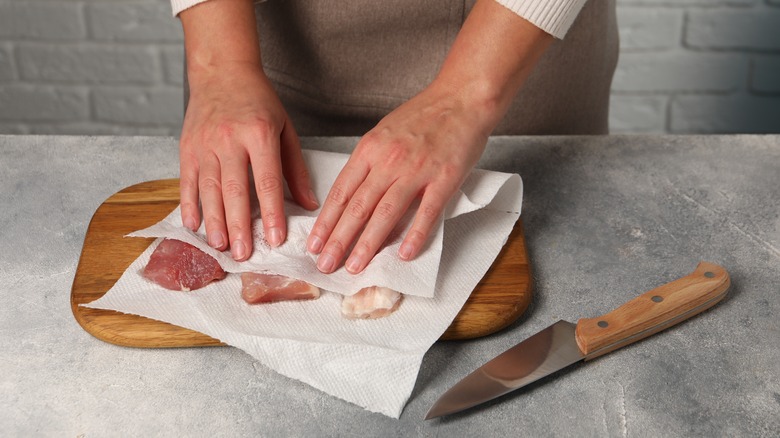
(177, 265)
(266, 288)
(370, 303)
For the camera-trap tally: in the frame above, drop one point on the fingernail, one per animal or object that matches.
(238, 249)
(326, 263)
(313, 198)
(189, 222)
(314, 244)
(405, 252)
(274, 237)
(354, 264)
(216, 240)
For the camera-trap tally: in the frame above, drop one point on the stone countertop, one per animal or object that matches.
(606, 218)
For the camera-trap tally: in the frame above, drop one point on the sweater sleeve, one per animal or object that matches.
(180, 5)
(552, 16)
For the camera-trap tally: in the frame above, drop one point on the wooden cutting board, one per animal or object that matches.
(499, 299)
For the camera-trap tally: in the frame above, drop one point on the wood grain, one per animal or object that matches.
(653, 311)
(498, 300)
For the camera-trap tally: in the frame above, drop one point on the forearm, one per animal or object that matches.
(491, 58)
(217, 35)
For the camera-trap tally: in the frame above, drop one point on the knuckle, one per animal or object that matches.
(422, 162)
(335, 246)
(358, 209)
(189, 206)
(272, 218)
(209, 184)
(416, 236)
(321, 228)
(263, 128)
(450, 171)
(213, 221)
(385, 211)
(428, 213)
(235, 227)
(233, 189)
(190, 135)
(397, 152)
(185, 139)
(364, 247)
(268, 183)
(303, 174)
(369, 140)
(338, 195)
(188, 185)
(224, 130)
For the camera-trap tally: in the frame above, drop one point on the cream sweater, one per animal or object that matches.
(552, 16)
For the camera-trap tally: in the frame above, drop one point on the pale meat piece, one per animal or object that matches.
(267, 288)
(370, 303)
(177, 265)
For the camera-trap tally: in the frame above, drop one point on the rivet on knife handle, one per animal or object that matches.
(653, 311)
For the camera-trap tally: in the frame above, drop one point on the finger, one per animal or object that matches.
(294, 169)
(355, 216)
(188, 190)
(350, 178)
(267, 170)
(235, 197)
(427, 216)
(210, 187)
(385, 217)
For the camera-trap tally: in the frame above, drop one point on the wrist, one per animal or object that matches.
(204, 72)
(236, 46)
(475, 94)
(492, 56)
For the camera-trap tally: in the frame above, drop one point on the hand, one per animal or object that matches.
(424, 149)
(235, 120)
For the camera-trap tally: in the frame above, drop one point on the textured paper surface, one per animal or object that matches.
(371, 363)
(386, 269)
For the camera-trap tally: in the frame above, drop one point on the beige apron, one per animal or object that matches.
(339, 67)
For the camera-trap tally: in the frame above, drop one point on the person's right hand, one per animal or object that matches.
(235, 120)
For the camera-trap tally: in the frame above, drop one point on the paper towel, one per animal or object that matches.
(371, 363)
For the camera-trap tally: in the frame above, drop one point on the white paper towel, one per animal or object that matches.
(372, 363)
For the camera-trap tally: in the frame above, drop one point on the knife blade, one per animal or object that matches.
(564, 343)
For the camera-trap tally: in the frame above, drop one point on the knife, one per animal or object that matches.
(564, 343)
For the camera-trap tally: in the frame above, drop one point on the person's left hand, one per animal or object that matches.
(424, 148)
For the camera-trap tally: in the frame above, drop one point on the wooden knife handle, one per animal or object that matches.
(653, 311)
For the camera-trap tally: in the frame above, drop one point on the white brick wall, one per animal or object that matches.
(115, 67)
(90, 67)
(697, 66)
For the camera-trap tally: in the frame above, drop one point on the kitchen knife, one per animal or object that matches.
(564, 343)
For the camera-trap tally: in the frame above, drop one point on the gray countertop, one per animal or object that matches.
(606, 218)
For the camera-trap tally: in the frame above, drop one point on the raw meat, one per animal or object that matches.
(266, 288)
(370, 303)
(177, 265)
